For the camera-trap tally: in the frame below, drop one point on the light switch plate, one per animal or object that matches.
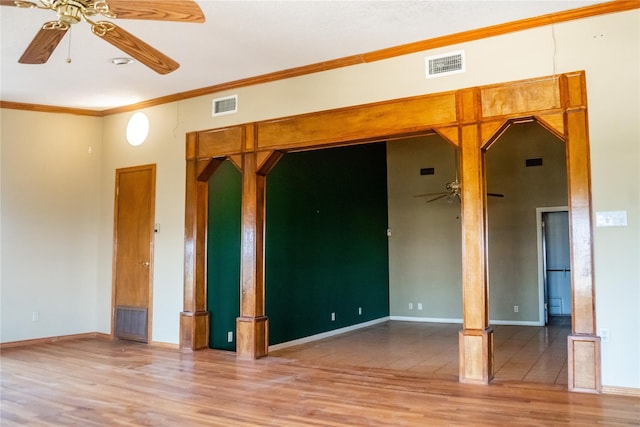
(611, 219)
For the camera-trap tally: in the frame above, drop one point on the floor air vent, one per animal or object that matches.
(444, 65)
(226, 105)
(131, 323)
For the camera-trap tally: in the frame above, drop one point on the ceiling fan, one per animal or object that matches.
(453, 189)
(73, 11)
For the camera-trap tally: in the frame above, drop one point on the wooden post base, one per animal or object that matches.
(476, 356)
(194, 330)
(584, 363)
(252, 335)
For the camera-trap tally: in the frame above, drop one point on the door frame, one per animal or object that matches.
(541, 260)
(118, 172)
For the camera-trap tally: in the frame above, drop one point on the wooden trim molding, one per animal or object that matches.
(622, 391)
(478, 115)
(378, 55)
(48, 340)
(50, 109)
(89, 335)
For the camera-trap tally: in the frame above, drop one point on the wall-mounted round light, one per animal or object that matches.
(137, 129)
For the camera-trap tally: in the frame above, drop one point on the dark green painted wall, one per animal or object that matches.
(326, 244)
(223, 255)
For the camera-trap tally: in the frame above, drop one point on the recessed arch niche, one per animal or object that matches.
(471, 119)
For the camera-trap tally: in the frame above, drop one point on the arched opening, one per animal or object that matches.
(526, 164)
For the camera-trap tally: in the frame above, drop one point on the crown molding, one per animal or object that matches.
(378, 55)
(49, 109)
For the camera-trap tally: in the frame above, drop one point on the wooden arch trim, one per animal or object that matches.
(469, 118)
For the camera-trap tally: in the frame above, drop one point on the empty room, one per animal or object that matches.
(310, 213)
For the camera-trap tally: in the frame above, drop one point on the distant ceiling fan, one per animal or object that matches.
(453, 189)
(73, 11)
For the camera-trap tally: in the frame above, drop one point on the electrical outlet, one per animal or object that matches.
(359, 311)
(410, 306)
(333, 317)
(230, 336)
(515, 308)
(419, 306)
(604, 335)
(35, 317)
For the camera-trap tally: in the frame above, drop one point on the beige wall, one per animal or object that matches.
(51, 201)
(425, 255)
(594, 45)
(424, 246)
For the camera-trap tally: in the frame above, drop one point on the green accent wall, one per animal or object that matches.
(326, 242)
(223, 255)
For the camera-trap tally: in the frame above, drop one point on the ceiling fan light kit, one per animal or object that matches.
(71, 12)
(137, 129)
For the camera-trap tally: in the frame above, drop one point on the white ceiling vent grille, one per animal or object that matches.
(226, 105)
(445, 65)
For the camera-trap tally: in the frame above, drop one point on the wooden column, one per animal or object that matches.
(194, 320)
(476, 337)
(583, 344)
(252, 325)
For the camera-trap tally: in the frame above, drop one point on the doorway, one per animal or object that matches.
(527, 164)
(223, 255)
(134, 215)
(554, 262)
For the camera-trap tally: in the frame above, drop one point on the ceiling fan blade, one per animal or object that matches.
(139, 50)
(432, 194)
(162, 10)
(42, 46)
(495, 195)
(438, 198)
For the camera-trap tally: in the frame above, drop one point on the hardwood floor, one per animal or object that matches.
(93, 382)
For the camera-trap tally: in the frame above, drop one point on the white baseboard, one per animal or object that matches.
(424, 319)
(516, 322)
(445, 320)
(327, 334)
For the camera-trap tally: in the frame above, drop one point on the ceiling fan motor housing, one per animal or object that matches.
(69, 11)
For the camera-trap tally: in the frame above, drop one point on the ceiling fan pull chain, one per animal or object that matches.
(69, 48)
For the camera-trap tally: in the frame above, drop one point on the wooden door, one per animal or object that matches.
(133, 252)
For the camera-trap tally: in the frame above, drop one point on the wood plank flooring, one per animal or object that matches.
(93, 382)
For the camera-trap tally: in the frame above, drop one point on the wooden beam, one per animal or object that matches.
(194, 319)
(252, 325)
(583, 346)
(476, 337)
(409, 116)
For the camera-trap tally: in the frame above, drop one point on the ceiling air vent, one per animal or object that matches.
(226, 105)
(445, 64)
(427, 171)
(533, 162)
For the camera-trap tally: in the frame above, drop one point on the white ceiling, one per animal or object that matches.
(239, 39)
